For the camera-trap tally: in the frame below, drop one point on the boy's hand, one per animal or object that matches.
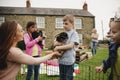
(98, 68)
(56, 48)
(55, 55)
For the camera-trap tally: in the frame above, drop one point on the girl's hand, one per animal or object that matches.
(40, 38)
(99, 68)
(56, 53)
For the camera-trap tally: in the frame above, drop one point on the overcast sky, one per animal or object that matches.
(102, 9)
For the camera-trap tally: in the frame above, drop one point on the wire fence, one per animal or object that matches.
(51, 72)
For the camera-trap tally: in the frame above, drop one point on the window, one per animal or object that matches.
(59, 23)
(80, 39)
(2, 19)
(40, 22)
(78, 23)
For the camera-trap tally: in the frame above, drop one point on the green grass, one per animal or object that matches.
(98, 58)
(87, 68)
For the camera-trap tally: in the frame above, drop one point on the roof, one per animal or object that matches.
(43, 11)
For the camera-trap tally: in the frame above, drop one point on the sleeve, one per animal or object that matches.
(28, 42)
(74, 37)
(17, 55)
(109, 62)
(106, 65)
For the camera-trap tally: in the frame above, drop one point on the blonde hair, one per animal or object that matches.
(69, 18)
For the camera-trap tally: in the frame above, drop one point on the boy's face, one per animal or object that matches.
(67, 25)
(115, 29)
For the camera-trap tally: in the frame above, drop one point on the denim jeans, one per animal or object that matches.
(66, 72)
(30, 71)
(94, 47)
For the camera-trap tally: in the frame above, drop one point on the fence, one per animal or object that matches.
(81, 72)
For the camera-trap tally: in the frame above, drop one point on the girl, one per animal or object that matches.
(32, 49)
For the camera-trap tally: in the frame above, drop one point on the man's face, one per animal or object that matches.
(67, 25)
(115, 32)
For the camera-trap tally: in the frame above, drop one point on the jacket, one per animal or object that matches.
(110, 62)
(30, 43)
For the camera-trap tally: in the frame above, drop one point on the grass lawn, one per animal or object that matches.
(87, 69)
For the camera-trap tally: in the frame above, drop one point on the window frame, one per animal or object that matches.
(2, 20)
(59, 23)
(40, 21)
(80, 38)
(78, 23)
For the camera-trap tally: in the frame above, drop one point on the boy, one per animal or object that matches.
(66, 62)
(113, 60)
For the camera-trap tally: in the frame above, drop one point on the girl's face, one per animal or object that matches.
(115, 29)
(19, 33)
(32, 29)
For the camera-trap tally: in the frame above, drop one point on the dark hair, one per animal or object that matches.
(7, 33)
(29, 24)
(62, 37)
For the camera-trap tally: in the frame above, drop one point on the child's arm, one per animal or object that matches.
(105, 65)
(64, 47)
(16, 55)
(29, 42)
(74, 38)
(56, 43)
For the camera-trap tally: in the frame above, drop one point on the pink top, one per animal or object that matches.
(30, 43)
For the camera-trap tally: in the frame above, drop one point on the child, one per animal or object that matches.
(113, 60)
(32, 49)
(66, 62)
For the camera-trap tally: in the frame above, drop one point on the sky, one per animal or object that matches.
(103, 10)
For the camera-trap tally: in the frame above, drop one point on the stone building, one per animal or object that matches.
(49, 20)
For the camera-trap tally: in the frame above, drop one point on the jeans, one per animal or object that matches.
(94, 47)
(30, 71)
(66, 72)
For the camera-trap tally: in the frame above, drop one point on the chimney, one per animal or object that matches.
(85, 6)
(28, 5)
